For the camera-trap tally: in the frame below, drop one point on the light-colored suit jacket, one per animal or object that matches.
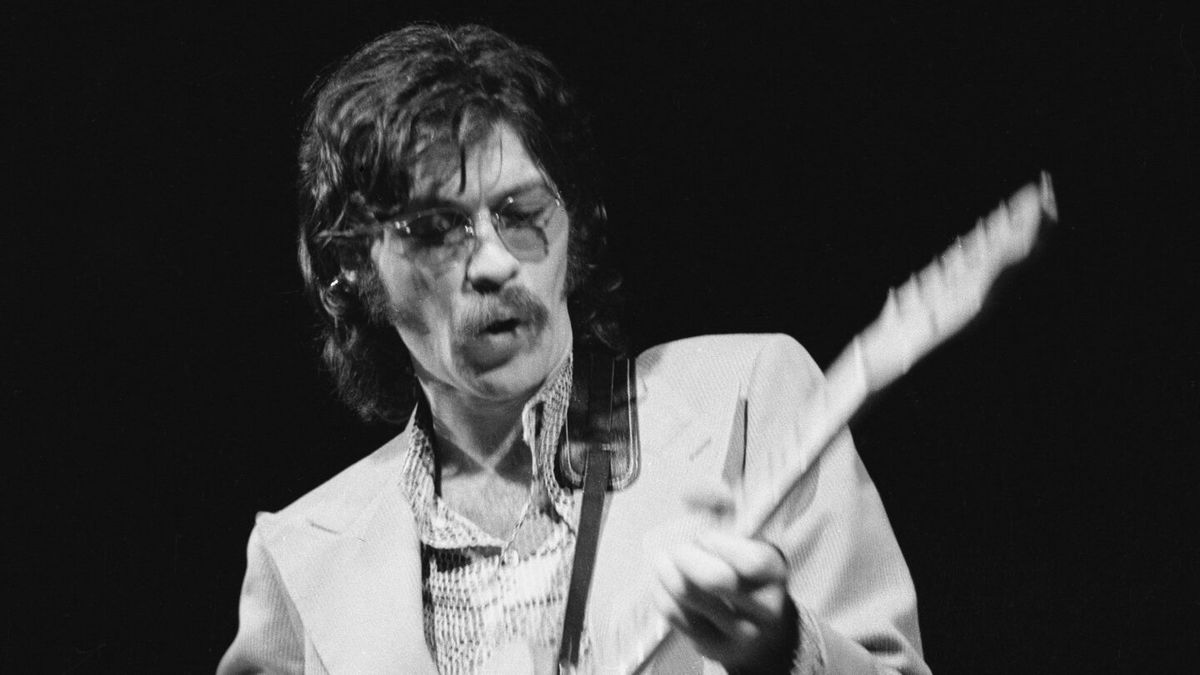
(333, 581)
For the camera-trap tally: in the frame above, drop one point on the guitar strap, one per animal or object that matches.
(602, 426)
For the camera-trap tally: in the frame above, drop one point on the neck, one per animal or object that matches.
(477, 435)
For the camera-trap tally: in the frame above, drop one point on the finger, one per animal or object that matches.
(708, 585)
(703, 620)
(715, 635)
(693, 624)
(760, 592)
(699, 583)
(705, 572)
(754, 562)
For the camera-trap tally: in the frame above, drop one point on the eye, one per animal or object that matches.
(515, 218)
(434, 228)
(528, 211)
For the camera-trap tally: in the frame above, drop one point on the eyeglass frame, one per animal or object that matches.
(498, 219)
(401, 225)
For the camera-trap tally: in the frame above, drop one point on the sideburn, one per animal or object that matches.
(380, 309)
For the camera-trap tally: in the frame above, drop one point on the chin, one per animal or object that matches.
(519, 376)
(508, 366)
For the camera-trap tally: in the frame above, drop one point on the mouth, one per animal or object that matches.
(495, 343)
(501, 327)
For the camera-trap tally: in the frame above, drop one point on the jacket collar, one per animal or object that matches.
(343, 502)
(353, 570)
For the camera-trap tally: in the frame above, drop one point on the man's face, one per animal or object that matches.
(480, 322)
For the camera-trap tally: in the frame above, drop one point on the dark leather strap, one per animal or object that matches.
(595, 479)
(607, 383)
(603, 412)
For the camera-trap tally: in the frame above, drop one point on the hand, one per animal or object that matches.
(728, 594)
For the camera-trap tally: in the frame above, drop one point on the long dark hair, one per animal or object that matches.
(373, 119)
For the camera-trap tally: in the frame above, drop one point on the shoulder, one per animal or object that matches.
(335, 503)
(725, 361)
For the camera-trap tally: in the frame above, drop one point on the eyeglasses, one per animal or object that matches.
(521, 221)
(439, 234)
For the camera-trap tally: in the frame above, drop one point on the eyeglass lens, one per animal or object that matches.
(521, 223)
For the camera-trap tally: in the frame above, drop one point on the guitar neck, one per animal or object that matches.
(917, 317)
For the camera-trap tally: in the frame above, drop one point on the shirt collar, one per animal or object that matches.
(543, 420)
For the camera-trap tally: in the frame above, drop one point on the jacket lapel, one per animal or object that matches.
(355, 572)
(367, 617)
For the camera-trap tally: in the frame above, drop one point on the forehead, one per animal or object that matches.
(493, 166)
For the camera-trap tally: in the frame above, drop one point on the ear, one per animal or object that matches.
(345, 280)
(351, 265)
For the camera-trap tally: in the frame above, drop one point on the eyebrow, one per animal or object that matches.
(432, 201)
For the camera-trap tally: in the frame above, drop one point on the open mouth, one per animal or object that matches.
(504, 326)
(495, 340)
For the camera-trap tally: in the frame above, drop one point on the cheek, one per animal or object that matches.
(411, 304)
(398, 290)
(424, 301)
(561, 274)
(561, 284)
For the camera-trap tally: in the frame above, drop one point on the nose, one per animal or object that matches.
(491, 264)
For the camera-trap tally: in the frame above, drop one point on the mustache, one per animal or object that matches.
(512, 302)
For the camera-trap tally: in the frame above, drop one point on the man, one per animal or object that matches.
(450, 226)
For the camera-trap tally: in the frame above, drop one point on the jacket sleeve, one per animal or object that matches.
(269, 637)
(849, 582)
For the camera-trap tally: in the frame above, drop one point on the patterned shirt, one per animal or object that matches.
(481, 592)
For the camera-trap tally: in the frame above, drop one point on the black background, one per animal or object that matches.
(767, 170)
